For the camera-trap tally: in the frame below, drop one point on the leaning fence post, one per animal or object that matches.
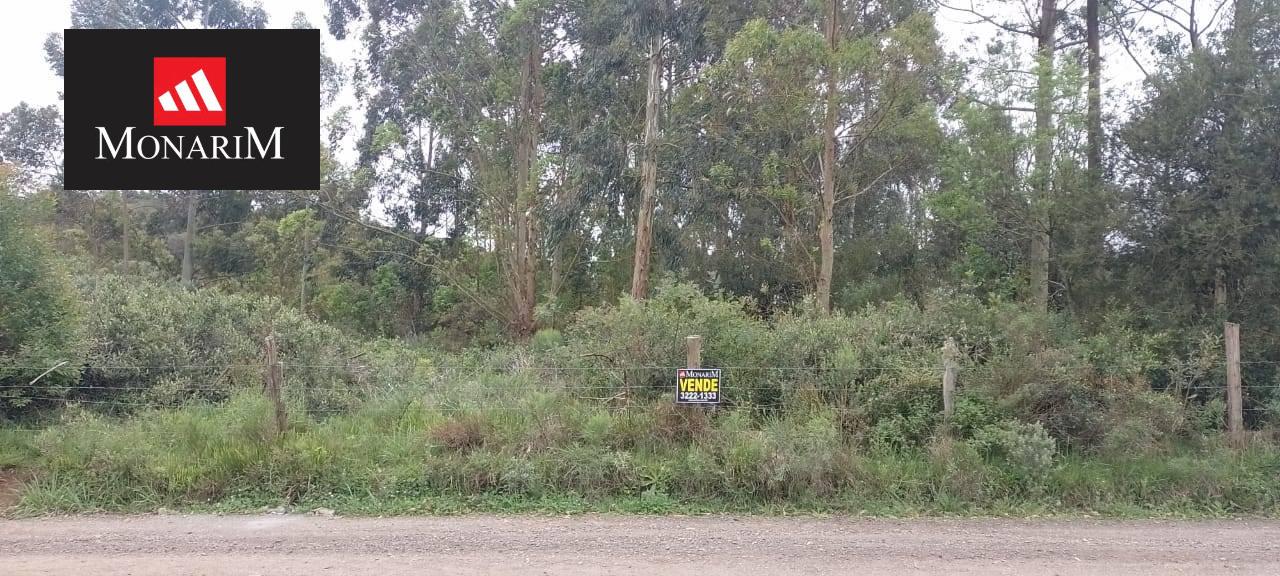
(273, 376)
(1235, 416)
(950, 368)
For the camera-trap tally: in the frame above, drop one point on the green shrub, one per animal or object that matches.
(1144, 423)
(1027, 449)
(1208, 417)
(1070, 410)
(150, 342)
(647, 339)
(545, 339)
(597, 429)
(1117, 349)
(39, 315)
(974, 412)
(878, 366)
(962, 474)
(803, 456)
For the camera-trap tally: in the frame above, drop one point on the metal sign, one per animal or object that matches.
(698, 386)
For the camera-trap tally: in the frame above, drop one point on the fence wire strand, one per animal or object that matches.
(766, 389)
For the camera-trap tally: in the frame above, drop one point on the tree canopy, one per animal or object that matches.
(518, 161)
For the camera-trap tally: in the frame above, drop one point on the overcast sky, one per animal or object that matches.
(25, 76)
(23, 27)
(24, 24)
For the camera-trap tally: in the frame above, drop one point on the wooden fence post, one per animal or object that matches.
(1235, 411)
(693, 359)
(950, 369)
(693, 351)
(274, 377)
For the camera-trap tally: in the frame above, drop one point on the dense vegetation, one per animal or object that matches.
(838, 413)
(484, 305)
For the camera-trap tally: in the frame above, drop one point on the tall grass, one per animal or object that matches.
(554, 447)
(839, 412)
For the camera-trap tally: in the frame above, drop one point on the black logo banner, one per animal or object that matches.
(192, 109)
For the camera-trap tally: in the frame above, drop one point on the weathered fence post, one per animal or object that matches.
(274, 379)
(693, 359)
(1235, 411)
(950, 368)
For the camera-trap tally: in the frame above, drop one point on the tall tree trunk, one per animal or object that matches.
(188, 241)
(563, 234)
(1093, 149)
(525, 286)
(306, 255)
(1193, 29)
(1043, 171)
(1094, 144)
(826, 232)
(557, 269)
(125, 222)
(648, 174)
(1220, 290)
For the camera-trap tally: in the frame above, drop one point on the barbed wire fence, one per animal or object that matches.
(468, 387)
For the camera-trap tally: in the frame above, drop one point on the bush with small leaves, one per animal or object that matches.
(1027, 449)
(40, 335)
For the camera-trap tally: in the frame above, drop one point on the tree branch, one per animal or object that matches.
(866, 188)
(1004, 107)
(987, 19)
(1124, 41)
(1151, 7)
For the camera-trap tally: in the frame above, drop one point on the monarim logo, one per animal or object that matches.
(203, 106)
(164, 147)
(192, 110)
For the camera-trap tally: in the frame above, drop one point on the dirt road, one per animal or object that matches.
(702, 546)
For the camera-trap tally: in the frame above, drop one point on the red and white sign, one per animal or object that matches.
(190, 91)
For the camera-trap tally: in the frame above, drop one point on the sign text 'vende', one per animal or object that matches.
(698, 386)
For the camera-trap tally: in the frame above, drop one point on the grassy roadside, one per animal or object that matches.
(836, 414)
(549, 453)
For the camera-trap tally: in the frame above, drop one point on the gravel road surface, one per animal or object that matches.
(702, 546)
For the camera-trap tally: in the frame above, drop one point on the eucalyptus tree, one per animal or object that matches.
(631, 151)
(1093, 42)
(648, 20)
(811, 113)
(455, 105)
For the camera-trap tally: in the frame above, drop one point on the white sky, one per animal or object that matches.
(25, 76)
(24, 24)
